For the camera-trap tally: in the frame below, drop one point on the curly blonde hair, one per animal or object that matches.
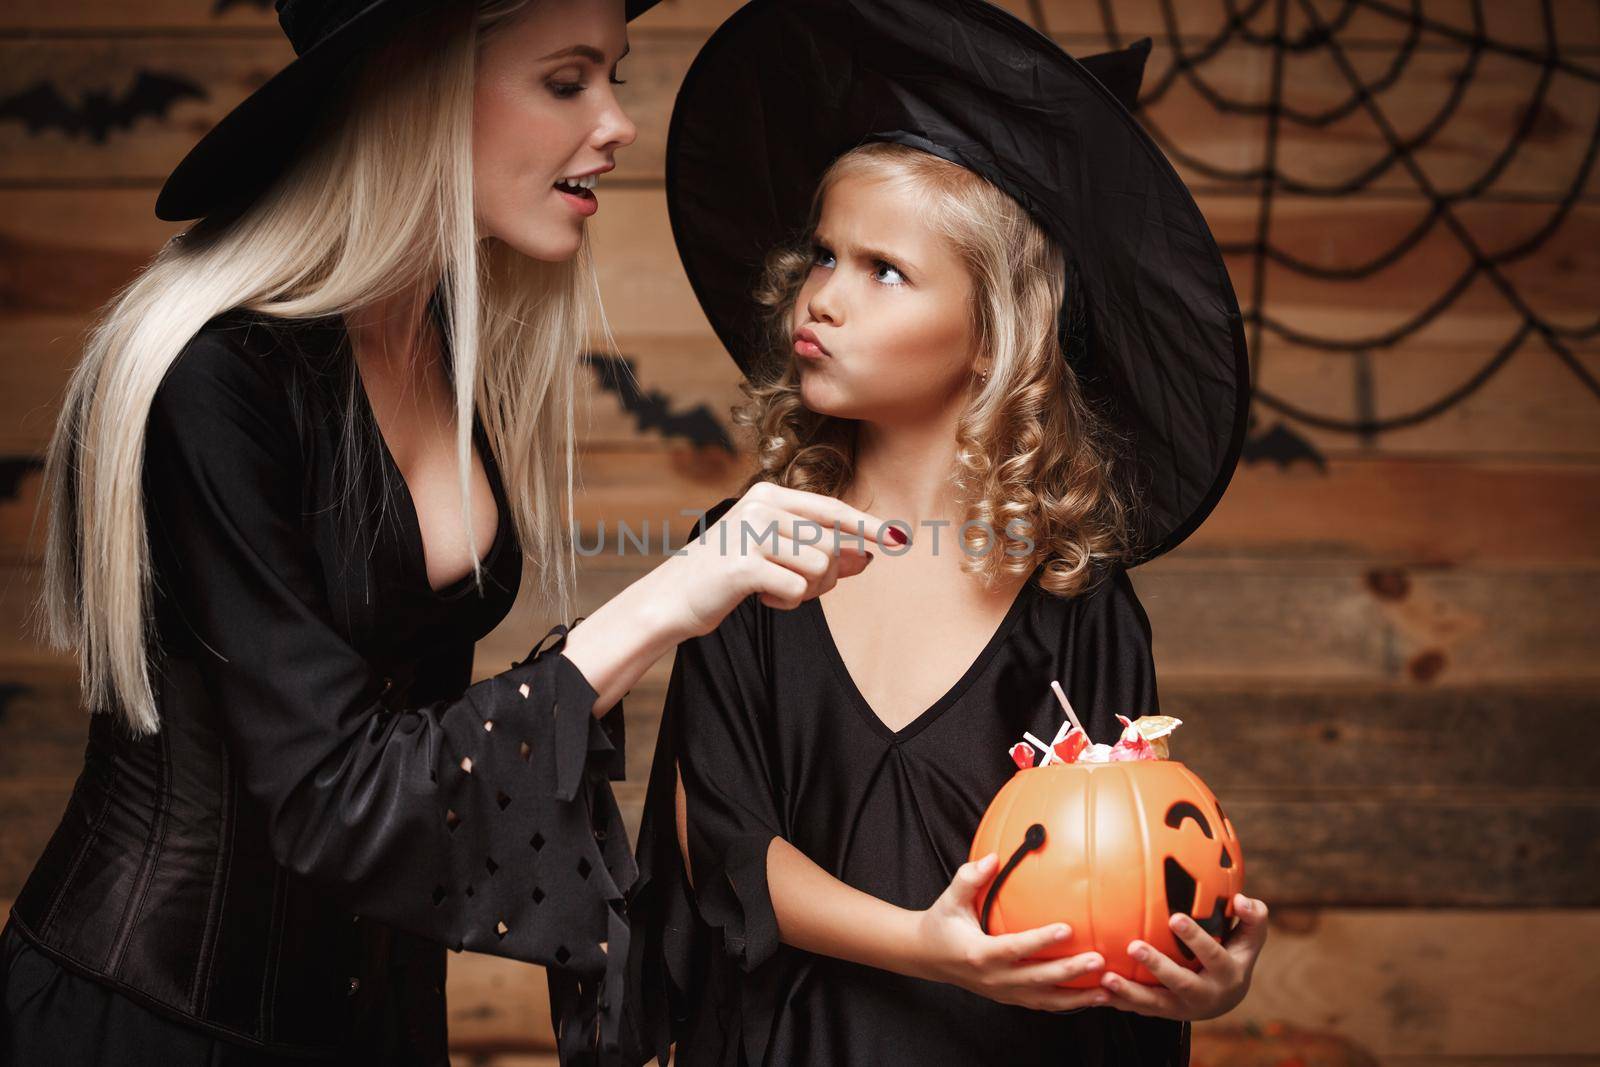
(1038, 466)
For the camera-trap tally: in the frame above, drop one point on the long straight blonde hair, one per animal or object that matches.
(378, 201)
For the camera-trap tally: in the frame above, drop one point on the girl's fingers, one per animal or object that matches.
(1146, 1000)
(1025, 943)
(969, 878)
(1251, 933)
(1055, 972)
(1207, 949)
(1164, 967)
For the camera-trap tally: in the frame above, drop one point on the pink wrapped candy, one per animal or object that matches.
(1131, 745)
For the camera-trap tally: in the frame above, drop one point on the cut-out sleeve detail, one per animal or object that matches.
(582, 740)
(414, 815)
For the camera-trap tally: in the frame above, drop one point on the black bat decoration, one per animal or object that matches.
(1282, 446)
(12, 470)
(653, 410)
(42, 107)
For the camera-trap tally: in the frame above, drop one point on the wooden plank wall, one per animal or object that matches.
(1386, 655)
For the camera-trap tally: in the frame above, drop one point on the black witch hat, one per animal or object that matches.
(254, 142)
(1149, 322)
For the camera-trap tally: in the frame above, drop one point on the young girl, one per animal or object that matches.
(297, 476)
(820, 772)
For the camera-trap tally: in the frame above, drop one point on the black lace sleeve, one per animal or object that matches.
(484, 821)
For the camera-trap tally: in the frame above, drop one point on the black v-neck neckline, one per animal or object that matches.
(416, 549)
(950, 696)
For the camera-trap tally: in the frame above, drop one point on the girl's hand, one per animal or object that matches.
(954, 948)
(1220, 985)
(774, 541)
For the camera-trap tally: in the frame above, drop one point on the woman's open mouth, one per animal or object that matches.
(579, 193)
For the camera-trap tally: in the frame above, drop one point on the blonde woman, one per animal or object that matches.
(298, 473)
(968, 293)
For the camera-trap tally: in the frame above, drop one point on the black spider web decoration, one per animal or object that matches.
(1317, 30)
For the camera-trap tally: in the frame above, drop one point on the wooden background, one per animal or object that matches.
(1385, 650)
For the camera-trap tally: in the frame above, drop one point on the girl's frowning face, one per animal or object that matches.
(887, 304)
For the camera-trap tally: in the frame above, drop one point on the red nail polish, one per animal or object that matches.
(896, 536)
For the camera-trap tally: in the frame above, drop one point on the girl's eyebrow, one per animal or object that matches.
(869, 253)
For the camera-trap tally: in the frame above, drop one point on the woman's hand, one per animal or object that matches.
(778, 542)
(956, 950)
(1220, 985)
(789, 554)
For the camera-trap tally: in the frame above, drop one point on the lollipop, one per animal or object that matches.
(1142, 738)
(1071, 744)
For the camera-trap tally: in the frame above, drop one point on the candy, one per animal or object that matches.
(1131, 745)
(1068, 741)
(1156, 726)
(1156, 729)
(1049, 757)
(1126, 751)
(1071, 746)
(1143, 738)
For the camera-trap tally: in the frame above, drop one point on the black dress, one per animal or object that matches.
(774, 739)
(331, 802)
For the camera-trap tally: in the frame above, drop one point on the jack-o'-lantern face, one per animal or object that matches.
(1200, 874)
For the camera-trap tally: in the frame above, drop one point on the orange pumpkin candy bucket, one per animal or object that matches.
(1111, 840)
